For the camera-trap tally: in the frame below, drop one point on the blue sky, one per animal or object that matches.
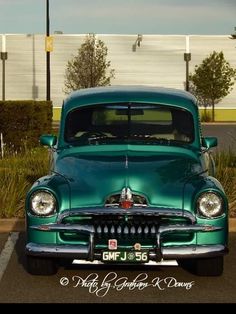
(210, 17)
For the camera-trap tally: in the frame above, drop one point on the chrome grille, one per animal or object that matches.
(129, 229)
(137, 224)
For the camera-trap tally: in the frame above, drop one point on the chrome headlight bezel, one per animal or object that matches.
(210, 205)
(43, 203)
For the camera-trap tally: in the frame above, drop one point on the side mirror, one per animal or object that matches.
(48, 140)
(209, 142)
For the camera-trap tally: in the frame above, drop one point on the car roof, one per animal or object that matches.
(130, 93)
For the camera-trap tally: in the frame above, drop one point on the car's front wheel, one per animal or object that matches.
(41, 265)
(212, 266)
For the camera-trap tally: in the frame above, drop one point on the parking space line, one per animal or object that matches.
(7, 251)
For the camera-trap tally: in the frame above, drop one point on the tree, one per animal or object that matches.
(212, 80)
(89, 67)
(202, 102)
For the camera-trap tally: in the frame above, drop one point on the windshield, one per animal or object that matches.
(129, 123)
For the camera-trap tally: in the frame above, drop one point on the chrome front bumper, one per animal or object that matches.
(89, 253)
(84, 252)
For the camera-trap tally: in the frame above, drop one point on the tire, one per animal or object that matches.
(41, 266)
(213, 266)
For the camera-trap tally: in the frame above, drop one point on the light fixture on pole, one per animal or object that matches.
(233, 36)
(137, 42)
(3, 58)
(187, 58)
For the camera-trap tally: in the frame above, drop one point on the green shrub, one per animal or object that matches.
(22, 122)
(17, 173)
(226, 174)
(206, 116)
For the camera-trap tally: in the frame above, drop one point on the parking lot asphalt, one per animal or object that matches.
(72, 282)
(3, 239)
(83, 283)
(225, 133)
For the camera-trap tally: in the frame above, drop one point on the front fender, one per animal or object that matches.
(58, 186)
(196, 186)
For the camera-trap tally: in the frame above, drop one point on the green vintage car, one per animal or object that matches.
(132, 181)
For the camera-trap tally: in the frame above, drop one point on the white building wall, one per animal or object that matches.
(159, 61)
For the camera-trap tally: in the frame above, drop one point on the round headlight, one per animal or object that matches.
(209, 204)
(42, 203)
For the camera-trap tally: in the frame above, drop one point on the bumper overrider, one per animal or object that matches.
(88, 251)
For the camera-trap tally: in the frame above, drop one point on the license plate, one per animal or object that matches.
(125, 256)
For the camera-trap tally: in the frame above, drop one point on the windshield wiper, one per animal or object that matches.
(100, 138)
(159, 141)
(95, 140)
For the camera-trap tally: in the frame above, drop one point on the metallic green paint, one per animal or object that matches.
(168, 176)
(94, 177)
(48, 140)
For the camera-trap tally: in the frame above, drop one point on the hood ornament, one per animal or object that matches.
(126, 198)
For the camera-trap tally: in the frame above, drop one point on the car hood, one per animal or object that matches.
(160, 177)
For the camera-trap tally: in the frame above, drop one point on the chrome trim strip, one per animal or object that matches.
(82, 251)
(89, 229)
(117, 205)
(48, 250)
(194, 251)
(150, 211)
(163, 229)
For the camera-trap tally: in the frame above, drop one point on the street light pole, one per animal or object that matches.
(187, 58)
(48, 76)
(3, 58)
